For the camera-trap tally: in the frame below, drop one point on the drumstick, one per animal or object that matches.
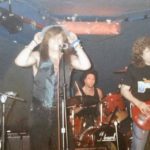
(77, 86)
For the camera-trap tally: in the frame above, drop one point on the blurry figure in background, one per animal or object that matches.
(54, 43)
(136, 88)
(92, 97)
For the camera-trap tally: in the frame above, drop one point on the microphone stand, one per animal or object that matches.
(3, 99)
(64, 128)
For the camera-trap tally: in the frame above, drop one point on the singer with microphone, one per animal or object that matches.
(44, 54)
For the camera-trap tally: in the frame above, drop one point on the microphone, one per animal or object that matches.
(11, 93)
(64, 47)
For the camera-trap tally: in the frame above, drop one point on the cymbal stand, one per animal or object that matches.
(101, 113)
(72, 120)
(116, 129)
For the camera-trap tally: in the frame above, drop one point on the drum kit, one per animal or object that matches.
(105, 132)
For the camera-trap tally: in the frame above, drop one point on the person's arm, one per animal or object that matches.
(126, 92)
(27, 57)
(79, 61)
(100, 94)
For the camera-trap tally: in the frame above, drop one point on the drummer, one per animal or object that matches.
(92, 96)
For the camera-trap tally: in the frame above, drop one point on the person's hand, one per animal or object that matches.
(38, 37)
(73, 39)
(144, 108)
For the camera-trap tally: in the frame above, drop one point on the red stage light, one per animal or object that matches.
(84, 27)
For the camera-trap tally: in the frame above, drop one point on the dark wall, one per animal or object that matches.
(112, 53)
(16, 79)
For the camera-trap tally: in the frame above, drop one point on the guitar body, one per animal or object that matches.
(141, 120)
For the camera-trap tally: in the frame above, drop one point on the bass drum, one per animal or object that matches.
(103, 137)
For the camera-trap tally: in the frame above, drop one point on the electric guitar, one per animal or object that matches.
(140, 119)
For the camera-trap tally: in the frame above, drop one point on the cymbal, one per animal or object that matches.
(123, 70)
(121, 115)
(74, 101)
(83, 101)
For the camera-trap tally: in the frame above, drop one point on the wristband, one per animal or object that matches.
(75, 43)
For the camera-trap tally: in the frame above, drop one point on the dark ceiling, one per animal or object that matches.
(102, 8)
(92, 7)
(75, 9)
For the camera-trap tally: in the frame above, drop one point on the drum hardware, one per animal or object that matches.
(72, 120)
(101, 113)
(116, 129)
(116, 126)
(3, 99)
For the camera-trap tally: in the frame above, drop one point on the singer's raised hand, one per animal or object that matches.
(72, 38)
(38, 37)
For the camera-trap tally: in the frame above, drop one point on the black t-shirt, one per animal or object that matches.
(138, 78)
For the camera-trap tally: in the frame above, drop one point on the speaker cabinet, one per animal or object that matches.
(17, 141)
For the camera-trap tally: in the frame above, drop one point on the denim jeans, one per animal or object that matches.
(139, 138)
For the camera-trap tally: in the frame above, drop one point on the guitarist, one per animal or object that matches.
(136, 88)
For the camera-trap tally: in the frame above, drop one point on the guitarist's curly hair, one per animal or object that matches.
(137, 50)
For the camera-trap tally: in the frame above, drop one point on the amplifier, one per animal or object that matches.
(18, 141)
